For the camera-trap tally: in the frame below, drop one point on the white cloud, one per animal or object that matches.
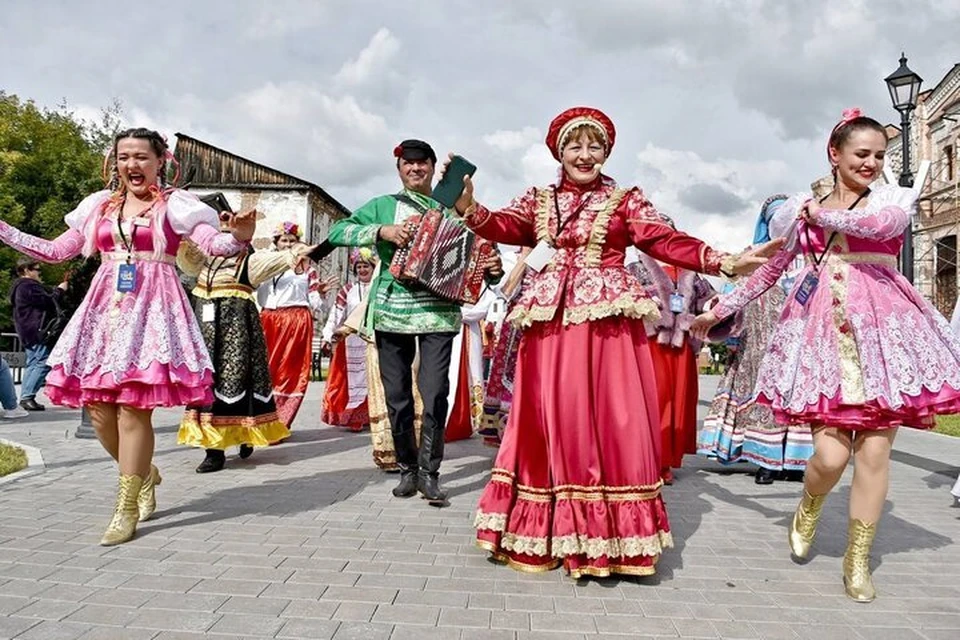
(281, 18)
(373, 59)
(666, 175)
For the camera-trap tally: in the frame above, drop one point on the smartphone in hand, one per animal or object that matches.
(450, 187)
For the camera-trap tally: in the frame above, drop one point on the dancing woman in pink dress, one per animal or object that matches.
(133, 344)
(857, 351)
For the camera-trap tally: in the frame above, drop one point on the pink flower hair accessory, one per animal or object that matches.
(850, 114)
(288, 228)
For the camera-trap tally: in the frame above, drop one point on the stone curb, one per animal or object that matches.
(34, 466)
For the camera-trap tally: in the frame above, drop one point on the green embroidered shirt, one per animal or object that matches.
(394, 306)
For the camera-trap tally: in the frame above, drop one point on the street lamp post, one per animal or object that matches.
(85, 430)
(904, 87)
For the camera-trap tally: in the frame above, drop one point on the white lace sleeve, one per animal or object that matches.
(885, 217)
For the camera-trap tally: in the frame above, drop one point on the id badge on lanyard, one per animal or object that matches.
(127, 272)
(807, 287)
(676, 302)
(126, 277)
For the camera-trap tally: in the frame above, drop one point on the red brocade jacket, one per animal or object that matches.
(586, 277)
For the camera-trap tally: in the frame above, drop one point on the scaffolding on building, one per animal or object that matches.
(938, 221)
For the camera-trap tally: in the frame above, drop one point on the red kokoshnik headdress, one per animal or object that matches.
(563, 124)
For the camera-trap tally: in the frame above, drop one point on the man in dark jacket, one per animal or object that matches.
(34, 305)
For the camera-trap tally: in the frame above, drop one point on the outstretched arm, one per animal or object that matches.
(67, 245)
(761, 280)
(514, 224)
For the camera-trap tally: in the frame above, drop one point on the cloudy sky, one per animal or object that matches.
(718, 103)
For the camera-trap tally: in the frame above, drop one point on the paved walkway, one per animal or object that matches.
(304, 541)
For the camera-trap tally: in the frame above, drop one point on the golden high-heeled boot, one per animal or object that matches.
(804, 525)
(125, 515)
(147, 499)
(857, 581)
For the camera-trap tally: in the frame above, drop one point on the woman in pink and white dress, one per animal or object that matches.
(133, 344)
(857, 351)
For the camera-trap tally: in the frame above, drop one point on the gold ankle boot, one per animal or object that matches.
(857, 581)
(147, 498)
(125, 514)
(804, 525)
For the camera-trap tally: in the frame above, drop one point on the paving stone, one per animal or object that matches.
(415, 614)
(11, 626)
(48, 609)
(309, 628)
(355, 611)
(465, 618)
(358, 594)
(310, 609)
(162, 620)
(255, 625)
(404, 632)
(258, 605)
(98, 614)
(362, 631)
(49, 630)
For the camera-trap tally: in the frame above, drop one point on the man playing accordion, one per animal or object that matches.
(407, 318)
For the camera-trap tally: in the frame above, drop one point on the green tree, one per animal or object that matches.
(49, 160)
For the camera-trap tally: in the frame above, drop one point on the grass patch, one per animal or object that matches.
(12, 459)
(948, 425)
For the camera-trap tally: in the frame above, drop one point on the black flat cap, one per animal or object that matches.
(415, 150)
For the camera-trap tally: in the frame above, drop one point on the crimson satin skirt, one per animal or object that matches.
(289, 335)
(577, 477)
(678, 389)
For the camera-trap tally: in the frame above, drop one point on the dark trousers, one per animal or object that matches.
(397, 352)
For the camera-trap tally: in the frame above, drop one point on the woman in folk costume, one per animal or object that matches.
(499, 391)
(857, 351)
(133, 344)
(466, 371)
(288, 304)
(577, 477)
(681, 295)
(738, 428)
(243, 411)
(384, 451)
(345, 397)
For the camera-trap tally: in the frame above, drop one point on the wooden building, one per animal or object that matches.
(277, 196)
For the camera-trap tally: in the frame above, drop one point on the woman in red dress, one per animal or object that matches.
(577, 477)
(681, 295)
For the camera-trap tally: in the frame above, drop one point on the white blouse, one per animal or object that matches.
(292, 290)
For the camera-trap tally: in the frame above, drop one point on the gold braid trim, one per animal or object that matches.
(224, 291)
(625, 305)
(606, 572)
(576, 544)
(542, 223)
(601, 224)
(851, 375)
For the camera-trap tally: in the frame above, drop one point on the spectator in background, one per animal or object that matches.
(8, 394)
(34, 305)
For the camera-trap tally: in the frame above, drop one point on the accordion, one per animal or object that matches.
(443, 257)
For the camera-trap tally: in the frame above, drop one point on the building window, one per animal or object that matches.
(948, 160)
(946, 283)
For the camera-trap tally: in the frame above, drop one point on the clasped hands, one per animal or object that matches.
(740, 265)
